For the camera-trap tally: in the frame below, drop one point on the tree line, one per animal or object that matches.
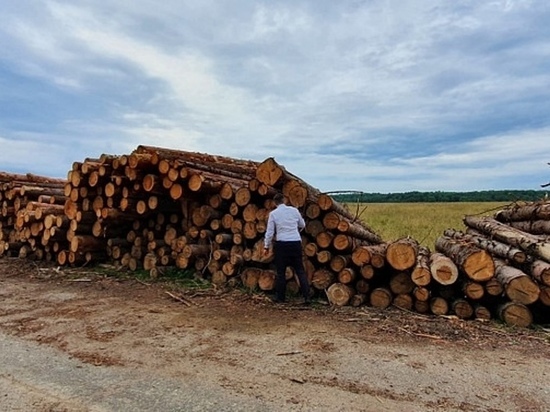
(438, 197)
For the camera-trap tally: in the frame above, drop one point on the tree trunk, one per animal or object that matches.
(492, 246)
(473, 290)
(540, 271)
(518, 212)
(421, 275)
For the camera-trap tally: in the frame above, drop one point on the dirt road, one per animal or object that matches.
(84, 341)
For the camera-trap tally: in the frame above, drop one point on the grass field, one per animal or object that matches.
(424, 222)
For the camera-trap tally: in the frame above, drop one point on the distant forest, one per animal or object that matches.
(437, 197)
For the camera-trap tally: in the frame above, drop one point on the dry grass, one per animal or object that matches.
(424, 222)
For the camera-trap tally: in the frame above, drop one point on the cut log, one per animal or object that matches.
(401, 254)
(530, 243)
(515, 314)
(346, 276)
(421, 293)
(362, 286)
(475, 262)
(493, 287)
(339, 263)
(518, 286)
(442, 269)
(367, 272)
(339, 294)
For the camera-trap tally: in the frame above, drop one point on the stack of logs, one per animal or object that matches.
(32, 221)
(158, 209)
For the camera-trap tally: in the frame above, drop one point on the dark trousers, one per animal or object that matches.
(289, 254)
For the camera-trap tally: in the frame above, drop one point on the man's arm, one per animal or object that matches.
(270, 232)
(301, 222)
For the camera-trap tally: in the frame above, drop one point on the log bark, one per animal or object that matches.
(473, 290)
(535, 227)
(540, 271)
(462, 308)
(401, 283)
(403, 301)
(266, 280)
(421, 275)
(360, 255)
(380, 298)
(439, 306)
(531, 244)
(322, 279)
(515, 314)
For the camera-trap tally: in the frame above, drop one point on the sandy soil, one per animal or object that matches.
(276, 357)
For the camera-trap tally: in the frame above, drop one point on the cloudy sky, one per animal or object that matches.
(374, 95)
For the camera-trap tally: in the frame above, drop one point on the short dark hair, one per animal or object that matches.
(278, 198)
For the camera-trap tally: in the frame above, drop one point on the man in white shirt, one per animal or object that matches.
(285, 223)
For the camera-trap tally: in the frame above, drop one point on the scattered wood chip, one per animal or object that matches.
(298, 380)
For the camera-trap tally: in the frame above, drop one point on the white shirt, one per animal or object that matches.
(286, 222)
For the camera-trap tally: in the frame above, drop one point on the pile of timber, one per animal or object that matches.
(32, 220)
(157, 209)
(499, 267)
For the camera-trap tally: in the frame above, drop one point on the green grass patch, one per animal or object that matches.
(424, 222)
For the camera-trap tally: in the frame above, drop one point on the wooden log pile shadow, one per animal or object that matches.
(159, 209)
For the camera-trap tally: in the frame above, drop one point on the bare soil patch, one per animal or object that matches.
(288, 357)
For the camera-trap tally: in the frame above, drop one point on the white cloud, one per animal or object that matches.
(363, 95)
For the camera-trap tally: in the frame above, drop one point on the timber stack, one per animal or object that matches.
(32, 221)
(158, 209)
